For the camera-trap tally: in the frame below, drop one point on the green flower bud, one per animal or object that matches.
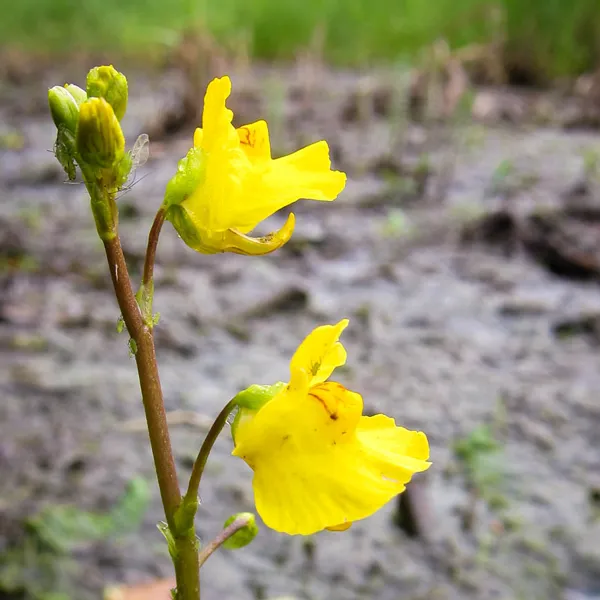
(78, 94)
(63, 107)
(106, 82)
(99, 141)
(243, 536)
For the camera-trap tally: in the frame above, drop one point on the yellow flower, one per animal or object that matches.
(228, 182)
(318, 463)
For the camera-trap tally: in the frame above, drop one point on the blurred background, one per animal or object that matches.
(465, 251)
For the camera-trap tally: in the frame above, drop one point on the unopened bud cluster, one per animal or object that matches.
(89, 136)
(87, 122)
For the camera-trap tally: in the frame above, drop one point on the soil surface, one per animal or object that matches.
(442, 252)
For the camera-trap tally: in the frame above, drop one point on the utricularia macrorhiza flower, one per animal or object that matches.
(228, 182)
(317, 462)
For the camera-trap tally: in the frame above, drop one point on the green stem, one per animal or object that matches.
(145, 295)
(221, 538)
(185, 556)
(187, 567)
(148, 275)
(145, 358)
(191, 496)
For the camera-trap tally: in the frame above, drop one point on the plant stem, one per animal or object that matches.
(187, 567)
(185, 556)
(159, 219)
(145, 358)
(191, 496)
(221, 538)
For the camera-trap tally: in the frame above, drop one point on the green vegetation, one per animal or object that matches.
(483, 461)
(42, 565)
(545, 38)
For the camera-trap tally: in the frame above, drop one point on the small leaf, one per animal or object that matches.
(132, 347)
(65, 152)
(164, 529)
(120, 324)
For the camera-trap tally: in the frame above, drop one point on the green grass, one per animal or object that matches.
(554, 37)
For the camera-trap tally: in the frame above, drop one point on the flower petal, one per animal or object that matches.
(274, 184)
(208, 241)
(198, 137)
(317, 356)
(254, 141)
(303, 489)
(312, 167)
(382, 432)
(398, 452)
(342, 406)
(328, 416)
(214, 205)
(216, 117)
(341, 527)
(239, 243)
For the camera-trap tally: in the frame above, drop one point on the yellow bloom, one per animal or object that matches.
(228, 182)
(318, 463)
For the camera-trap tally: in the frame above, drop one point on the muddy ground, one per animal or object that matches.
(471, 284)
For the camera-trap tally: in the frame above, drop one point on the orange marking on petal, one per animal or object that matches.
(333, 415)
(247, 136)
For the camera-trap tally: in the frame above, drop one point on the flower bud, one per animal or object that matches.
(63, 107)
(243, 536)
(99, 141)
(106, 82)
(78, 94)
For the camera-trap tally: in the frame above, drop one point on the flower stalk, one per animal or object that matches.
(145, 295)
(185, 551)
(191, 496)
(148, 275)
(239, 523)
